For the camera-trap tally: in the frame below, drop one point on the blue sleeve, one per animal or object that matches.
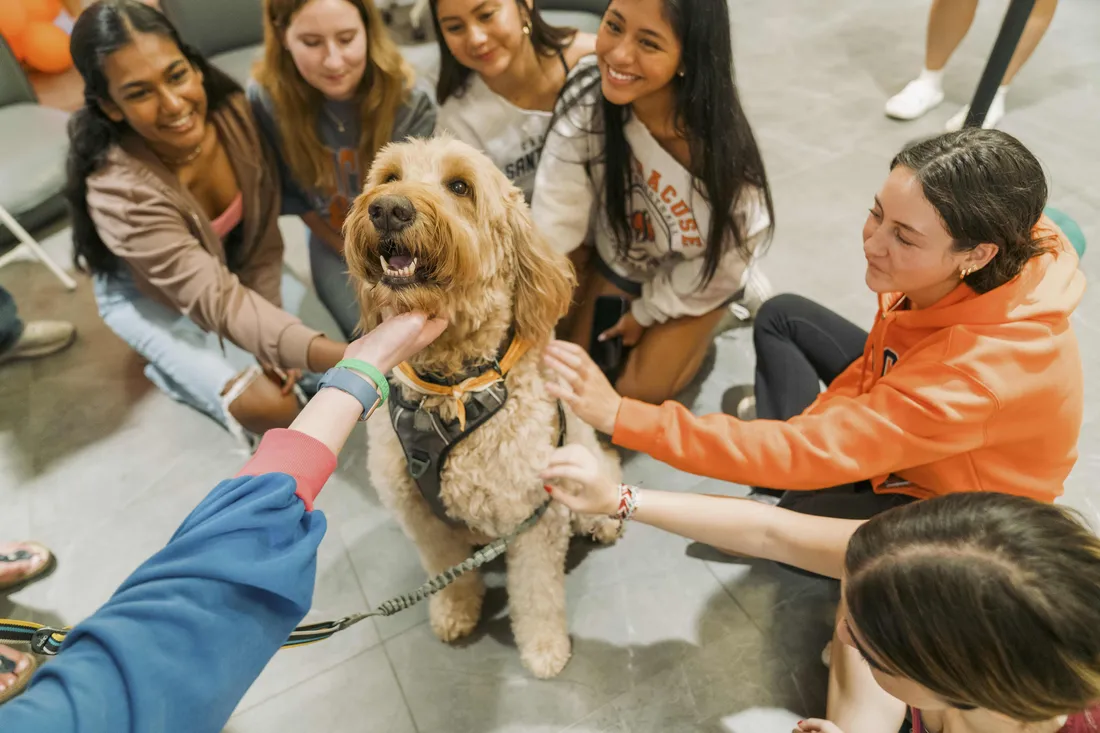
(295, 201)
(184, 637)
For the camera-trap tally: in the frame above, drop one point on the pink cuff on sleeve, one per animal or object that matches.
(307, 460)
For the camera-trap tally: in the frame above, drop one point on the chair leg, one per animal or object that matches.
(26, 240)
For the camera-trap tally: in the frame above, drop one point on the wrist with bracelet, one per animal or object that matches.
(361, 380)
(628, 502)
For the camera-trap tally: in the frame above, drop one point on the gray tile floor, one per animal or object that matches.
(99, 465)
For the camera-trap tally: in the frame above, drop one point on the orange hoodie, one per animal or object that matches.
(976, 393)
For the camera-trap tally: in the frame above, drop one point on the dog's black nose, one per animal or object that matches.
(391, 213)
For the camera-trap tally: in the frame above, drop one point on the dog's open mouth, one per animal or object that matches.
(399, 267)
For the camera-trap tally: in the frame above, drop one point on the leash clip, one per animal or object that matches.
(351, 620)
(42, 641)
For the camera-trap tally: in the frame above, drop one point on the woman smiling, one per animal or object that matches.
(332, 89)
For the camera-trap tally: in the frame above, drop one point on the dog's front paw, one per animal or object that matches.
(455, 611)
(607, 530)
(546, 655)
(604, 530)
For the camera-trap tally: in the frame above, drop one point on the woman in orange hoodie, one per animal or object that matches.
(970, 380)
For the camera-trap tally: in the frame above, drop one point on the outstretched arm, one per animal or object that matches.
(183, 638)
(737, 526)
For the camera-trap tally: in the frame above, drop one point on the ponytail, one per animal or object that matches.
(91, 135)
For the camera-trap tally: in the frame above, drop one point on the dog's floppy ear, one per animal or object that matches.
(544, 277)
(354, 231)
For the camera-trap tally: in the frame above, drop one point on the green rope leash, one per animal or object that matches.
(488, 553)
(48, 640)
(318, 632)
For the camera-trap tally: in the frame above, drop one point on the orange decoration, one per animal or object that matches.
(47, 48)
(29, 28)
(42, 11)
(16, 46)
(13, 19)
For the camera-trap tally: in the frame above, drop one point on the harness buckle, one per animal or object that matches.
(42, 641)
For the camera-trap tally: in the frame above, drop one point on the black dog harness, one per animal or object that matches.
(427, 440)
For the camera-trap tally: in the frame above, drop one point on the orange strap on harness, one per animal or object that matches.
(408, 376)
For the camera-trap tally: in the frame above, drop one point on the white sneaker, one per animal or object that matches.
(992, 117)
(41, 338)
(918, 97)
(746, 409)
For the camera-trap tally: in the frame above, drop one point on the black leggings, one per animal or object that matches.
(798, 345)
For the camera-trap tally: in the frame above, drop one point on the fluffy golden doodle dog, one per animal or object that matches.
(439, 229)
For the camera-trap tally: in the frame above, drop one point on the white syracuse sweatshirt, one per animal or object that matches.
(669, 218)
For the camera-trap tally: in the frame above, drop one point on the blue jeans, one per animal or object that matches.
(11, 328)
(186, 362)
(334, 285)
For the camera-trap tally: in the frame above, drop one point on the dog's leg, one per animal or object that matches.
(604, 530)
(455, 610)
(536, 593)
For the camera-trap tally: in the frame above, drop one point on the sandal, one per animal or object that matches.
(9, 663)
(21, 552)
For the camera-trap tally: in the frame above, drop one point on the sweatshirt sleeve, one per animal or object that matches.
(184, 637)
(565, 195)
(152, 237)
(675, 292)
(933, 411)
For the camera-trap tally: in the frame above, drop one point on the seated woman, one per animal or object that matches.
(501, 70)
(970, 379)
(652, 157)
(332, 89)
(175, 202)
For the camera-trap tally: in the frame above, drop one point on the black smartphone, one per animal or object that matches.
(608, 355)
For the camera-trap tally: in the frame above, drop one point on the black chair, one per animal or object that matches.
(33, 146)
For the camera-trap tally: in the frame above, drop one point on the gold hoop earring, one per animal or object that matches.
(527, 29)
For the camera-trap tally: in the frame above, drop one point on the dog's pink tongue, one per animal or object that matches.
(399, 261)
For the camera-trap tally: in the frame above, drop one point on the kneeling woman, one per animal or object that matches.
(653, 156)
(175, 207)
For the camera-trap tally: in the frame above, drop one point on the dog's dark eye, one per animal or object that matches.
(390, 178)
(459, 187)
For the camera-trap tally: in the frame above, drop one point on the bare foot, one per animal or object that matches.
(13, 670)
(21, 562)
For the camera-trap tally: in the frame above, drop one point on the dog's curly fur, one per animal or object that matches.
(483, 267)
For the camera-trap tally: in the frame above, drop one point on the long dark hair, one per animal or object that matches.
(987, 187)
(102, 29)
(725, 159)
(988, 600)
(548, 40)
